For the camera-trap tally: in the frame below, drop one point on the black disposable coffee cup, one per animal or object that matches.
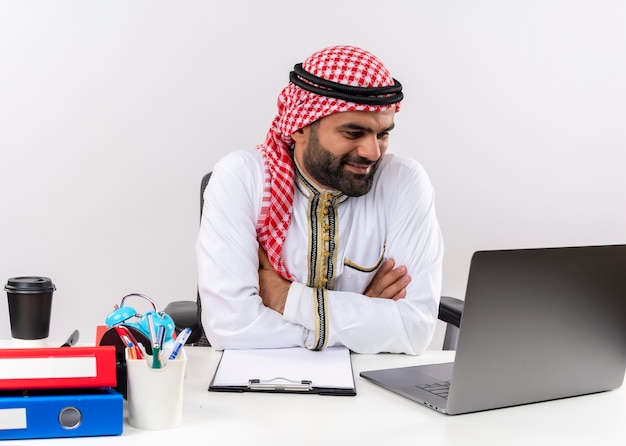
(30, 307)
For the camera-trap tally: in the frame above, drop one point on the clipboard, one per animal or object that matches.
(285, 370)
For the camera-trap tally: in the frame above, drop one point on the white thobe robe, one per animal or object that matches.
(333, 248)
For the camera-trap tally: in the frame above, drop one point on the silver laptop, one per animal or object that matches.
(537, 325)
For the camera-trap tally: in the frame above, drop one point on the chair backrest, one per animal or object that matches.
(205, 180)
(203, 184)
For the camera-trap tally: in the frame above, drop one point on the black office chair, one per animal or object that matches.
(186, 313)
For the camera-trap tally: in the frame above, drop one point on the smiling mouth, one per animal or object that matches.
(359, 168)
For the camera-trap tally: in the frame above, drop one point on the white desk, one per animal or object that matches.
(374, 416)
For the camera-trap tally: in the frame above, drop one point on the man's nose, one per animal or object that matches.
(370, 148)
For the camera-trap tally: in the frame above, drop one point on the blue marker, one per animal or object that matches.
(180, 341)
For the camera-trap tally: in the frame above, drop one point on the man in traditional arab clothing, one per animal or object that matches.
(319, 237)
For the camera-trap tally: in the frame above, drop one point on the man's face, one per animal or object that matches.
(342, 151)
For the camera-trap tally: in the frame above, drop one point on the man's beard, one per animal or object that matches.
(328, 169)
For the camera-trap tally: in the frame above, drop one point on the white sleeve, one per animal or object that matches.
(373, 325)
(233, 314)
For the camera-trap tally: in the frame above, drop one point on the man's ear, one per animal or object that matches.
(300, 135)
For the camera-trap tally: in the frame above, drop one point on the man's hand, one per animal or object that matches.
(389, 282)
(273, 288)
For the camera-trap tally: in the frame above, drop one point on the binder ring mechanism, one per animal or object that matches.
(280, 384)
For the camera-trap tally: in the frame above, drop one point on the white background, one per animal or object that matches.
(111, 111)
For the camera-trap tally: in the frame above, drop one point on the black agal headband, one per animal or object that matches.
(359, 95)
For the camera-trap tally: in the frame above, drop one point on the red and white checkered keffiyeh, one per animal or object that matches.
(298, 108)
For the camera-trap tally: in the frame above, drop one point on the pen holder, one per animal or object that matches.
(155, 395)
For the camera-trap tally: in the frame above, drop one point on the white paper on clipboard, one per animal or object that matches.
(330, 368)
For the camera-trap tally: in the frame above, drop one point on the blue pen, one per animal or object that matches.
(160, 335)
(180, 341)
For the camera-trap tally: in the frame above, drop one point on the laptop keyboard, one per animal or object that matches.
(440, 389)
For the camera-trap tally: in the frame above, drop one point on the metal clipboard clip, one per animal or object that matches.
(280, 384)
